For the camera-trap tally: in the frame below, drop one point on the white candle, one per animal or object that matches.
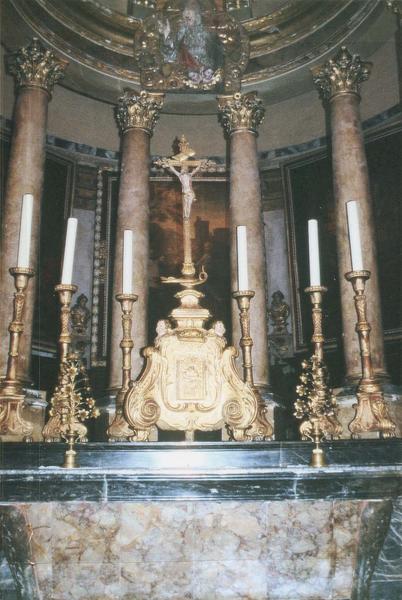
(354, 236)
(69, 249)
(242, 268)
(314, 253)
(24, 246)
(128, 262)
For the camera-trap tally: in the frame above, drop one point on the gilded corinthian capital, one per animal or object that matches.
(36, 66)
(138, 110)
(342, 74)
(240, 111)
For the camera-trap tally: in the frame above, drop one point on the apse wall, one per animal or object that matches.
(78, 118)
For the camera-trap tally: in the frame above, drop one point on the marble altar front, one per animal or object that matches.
(202, 521)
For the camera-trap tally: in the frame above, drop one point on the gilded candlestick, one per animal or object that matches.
(12, 424)
(119, 429)
(371, 409)
(52, 429)
(66, 292)
(260, 429)
(243, 299)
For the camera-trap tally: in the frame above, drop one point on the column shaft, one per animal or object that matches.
(36, 70)
(338, 82)
(136, 114)
(351, 182)
(132, 213)
(240, 116)
(25, 175)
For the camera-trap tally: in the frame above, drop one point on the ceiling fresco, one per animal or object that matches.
(186, 45)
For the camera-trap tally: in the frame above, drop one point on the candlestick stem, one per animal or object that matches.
(371, 410)
(316, 293)
(65, 292)
(12, 424)
(243, 299)
(119, 429)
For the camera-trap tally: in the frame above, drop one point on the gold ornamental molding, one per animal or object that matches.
(240, 112)
(139, 110)
(36, 66)
(342, 74)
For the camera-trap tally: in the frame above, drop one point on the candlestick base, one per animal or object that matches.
(70, 455)
(317, 458)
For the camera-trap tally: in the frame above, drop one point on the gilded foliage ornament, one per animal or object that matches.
(240, 111)
(342, 74)
(315, 401)
(138, 110)
(36, 66)
(71, 403)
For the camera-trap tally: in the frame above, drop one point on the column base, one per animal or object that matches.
(352, 381)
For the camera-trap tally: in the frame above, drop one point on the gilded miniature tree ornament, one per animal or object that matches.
(138, 110)
(240, 111)
(342, 74)
(36, 66)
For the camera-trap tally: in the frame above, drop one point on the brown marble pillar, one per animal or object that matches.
(136, 114)
(240, 116)
(36, 70)
(338, 82)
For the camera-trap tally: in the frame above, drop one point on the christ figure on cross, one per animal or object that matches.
(185, 177)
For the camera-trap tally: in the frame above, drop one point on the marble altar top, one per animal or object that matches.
(357, 469)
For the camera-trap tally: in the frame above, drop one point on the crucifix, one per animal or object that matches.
(184, 167)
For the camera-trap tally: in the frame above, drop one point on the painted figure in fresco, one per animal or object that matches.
(198, 47)
(168, 43)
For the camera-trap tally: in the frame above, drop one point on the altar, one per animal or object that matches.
(200, 316)
(203, 521)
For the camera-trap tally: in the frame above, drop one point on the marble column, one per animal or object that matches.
(338, 82)
(36, 70)
(240, 116)
(136, 115)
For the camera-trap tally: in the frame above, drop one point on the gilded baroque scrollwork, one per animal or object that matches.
(186, 47)
(342, 74)
(240, 111)
(36, 66)
(138, 110)
(190, 383)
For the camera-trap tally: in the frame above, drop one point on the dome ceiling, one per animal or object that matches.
(96, 36)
